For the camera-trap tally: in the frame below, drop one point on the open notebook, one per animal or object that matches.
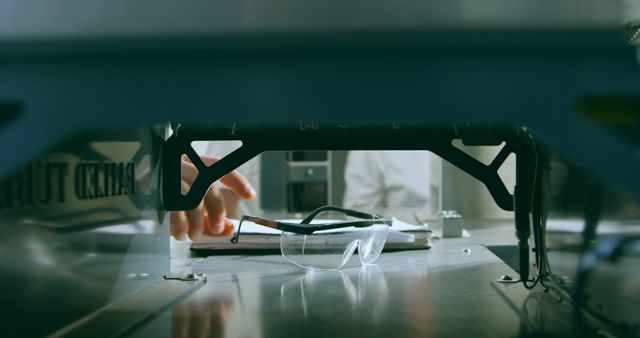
(254, 237)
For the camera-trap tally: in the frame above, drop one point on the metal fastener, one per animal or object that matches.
(191, 277)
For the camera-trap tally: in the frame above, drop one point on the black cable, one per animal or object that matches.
(535, 214)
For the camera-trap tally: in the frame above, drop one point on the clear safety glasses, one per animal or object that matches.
(328, 244)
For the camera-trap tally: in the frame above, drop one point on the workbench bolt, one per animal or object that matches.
(505, 279)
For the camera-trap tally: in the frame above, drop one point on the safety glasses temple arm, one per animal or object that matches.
(257, 220)
(348, 212)
(309, 229)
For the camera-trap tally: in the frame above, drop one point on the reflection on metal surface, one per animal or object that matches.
(121, 316)
(588, 224)
(406, 294)
(90, 180)
(550, 313)
(206, 314)
(80, 229)
(367, 295)
(201, 317)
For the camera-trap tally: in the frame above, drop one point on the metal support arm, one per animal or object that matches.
(373, 136)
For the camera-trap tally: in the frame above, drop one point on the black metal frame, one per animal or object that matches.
(312, 135)
(306, 228)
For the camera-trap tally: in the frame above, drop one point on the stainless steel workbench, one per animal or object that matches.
(449, 290)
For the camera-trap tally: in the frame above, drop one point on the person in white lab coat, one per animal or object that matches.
(377, 180)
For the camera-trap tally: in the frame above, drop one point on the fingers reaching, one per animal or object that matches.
(210, 216)
(238, 184)
(217, 213)
(234, 180)
(196, 221)
(179, 224)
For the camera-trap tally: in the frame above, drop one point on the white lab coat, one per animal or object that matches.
(391, 179)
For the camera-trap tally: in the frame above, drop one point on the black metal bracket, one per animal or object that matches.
(313, 135)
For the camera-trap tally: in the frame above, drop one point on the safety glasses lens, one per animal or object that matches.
(331, 249)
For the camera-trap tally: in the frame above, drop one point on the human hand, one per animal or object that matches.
(210, 216)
